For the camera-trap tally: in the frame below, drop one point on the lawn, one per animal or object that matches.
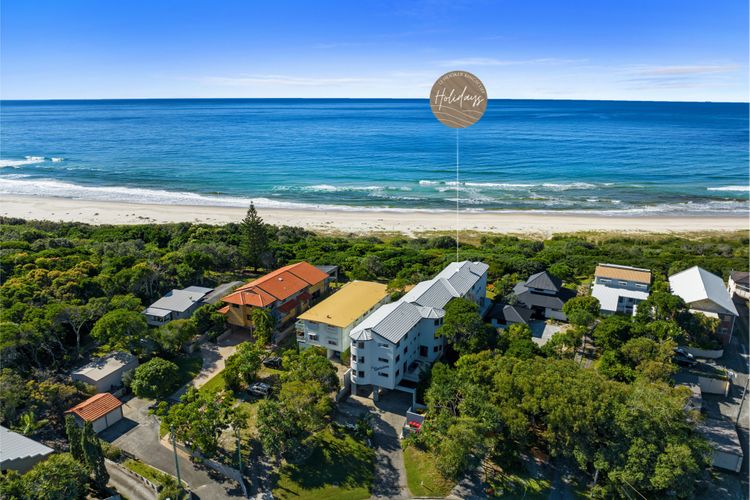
(189, 367)
(422, 476)
(340, 468)
(214, 384)
(521, 484)
(153, 475)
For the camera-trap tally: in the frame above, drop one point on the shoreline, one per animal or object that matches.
(364, 221)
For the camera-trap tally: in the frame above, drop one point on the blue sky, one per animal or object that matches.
(681, 50)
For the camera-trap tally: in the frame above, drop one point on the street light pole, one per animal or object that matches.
(174, 449)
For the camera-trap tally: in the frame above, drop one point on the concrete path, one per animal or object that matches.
(127, 485)
(389, 414)
(214, 357)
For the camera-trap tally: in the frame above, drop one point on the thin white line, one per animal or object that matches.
(457, 194)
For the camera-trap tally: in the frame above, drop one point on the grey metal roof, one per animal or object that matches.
(14, 446)
(721, 435)
(531, 299)
(463, 275)
(696, 284)
(426, 300)
(741, 277)
(544, 281)
(100, 368)
(432, 293)
(179, 300)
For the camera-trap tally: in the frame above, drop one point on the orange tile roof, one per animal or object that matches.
(223, 310)
(96, 406)
(277, 285)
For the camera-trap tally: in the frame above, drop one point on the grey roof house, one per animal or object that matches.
(177, 304)
(502, 314)
(544, 295)
(19, 453)
(106, 373)
(725, 443)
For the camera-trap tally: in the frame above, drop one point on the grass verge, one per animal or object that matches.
(153, 475)
(422, 476)
(340, 468)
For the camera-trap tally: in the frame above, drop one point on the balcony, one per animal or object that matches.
(299, 327)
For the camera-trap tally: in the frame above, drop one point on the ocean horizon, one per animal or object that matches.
(566, 156)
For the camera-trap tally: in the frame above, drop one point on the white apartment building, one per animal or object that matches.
(396, 343)
(328, 324)
(620, 288)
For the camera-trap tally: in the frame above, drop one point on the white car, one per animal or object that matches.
(259, 389)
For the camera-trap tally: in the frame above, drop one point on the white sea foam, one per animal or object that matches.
(57, 159)
(29, 160)
(743, 189)
(514, 186)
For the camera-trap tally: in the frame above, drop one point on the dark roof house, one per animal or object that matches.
(544, 294)
(507, 314)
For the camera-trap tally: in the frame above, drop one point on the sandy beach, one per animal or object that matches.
(334, 221)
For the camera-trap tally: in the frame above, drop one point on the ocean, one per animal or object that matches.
(607, 157)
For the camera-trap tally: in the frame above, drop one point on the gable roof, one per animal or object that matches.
(14, 446)
(178, 300)
(390, 321)
(277, 285)
(697, 284)
(533, 299)
(544, 281)
(462, 276)
(741, 277)
(96, 406)
(436, 292)
(627, 273)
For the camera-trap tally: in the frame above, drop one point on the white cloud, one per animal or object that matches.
(254, 80)
(490, 61)
(684, 70)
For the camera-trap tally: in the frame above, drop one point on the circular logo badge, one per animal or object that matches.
(458, 99)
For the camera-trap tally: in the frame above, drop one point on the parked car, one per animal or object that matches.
(272, 362)
(683, 358)
(260, 389)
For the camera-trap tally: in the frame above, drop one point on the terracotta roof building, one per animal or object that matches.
(102, 410)
(286, 292)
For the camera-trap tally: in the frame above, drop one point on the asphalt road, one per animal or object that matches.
(127, 485)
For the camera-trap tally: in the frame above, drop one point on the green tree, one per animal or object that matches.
(75, 316)
(154, 379)
(254, 238)
(200, 418)
(310, 365)
(175, 334)
(13, 395)
(12, 486)
(60, 477)
(280, 433)
(464, 328)
(582, 310)
(94, 456)
(612, 331)
(461, 448)
(73, 431)
(264, 324)
(242, 367)
(121, 329)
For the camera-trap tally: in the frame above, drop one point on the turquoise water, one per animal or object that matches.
(592, 156)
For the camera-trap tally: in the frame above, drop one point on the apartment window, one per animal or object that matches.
(384, 346)
(623, 283)
(423, 351)
(406, 349)
(604, 280)
(332, 342)
(236, 306)
(250, 317)
(435, 349)
(361, 359)
(360, 345)
(360, 373)
(383, 374)
(398, 372)
(437, 322)
(384, 360)
(354, 359)
(398, 358)
(313, 337)
(640, 285)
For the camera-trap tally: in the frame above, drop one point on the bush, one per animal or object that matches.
(154, 379)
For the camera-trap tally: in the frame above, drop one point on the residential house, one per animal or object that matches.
(106, 373)
(331, 271)
(102, 410)
(177, 304)
(725, 443)
(705, 293)
(396, 344)
(620, 288)
(19, 453)
(502, 315)
(286, 292)
(328, 324)
(739, 285)
(544, 295)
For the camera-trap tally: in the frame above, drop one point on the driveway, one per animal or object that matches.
(389, 414)
(221, 291)
(214, 356)
(127, 485)
(143, 442)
